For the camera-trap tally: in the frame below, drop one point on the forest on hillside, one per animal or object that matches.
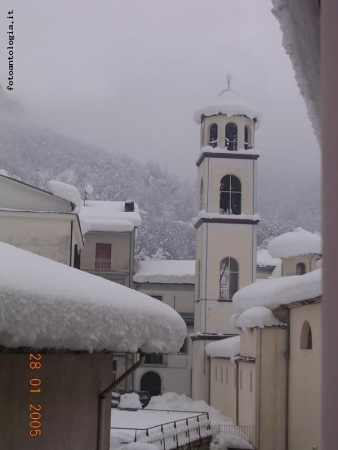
(167, 204)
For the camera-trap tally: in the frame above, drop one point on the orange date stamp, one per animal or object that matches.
(35, 414)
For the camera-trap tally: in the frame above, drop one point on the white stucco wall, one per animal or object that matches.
(305, 380)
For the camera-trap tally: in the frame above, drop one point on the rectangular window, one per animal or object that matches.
(103, 257)
(154, 358)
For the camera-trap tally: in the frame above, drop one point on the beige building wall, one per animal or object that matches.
(16, 195)
(48, 237)
(223, 380)
(289, 265)
(305, 380)
(246, 394)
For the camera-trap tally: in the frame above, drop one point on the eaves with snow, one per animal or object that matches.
(165, 272)
(225, 348)
(295, 243)
(274, 292)
(45, 304)
(230, 104)
(108, 216)
(264, 259)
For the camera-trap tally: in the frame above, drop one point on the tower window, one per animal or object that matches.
(231, 136)
(306, 336)
(228, 279)
(300, 269)
(247, 138)
(201, 195)
(213, 135)
(230, 195)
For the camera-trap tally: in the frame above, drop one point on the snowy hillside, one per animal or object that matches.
(167, 204)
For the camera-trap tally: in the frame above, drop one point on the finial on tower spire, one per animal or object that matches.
(229, 77)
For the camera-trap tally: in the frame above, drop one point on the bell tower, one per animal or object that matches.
(226, 222)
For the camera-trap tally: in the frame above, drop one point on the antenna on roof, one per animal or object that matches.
(229, 77)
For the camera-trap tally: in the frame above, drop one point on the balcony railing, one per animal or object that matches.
(105, 265)
(243, 431)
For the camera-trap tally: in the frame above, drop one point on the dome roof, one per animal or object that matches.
(295, 243)
(230, 104)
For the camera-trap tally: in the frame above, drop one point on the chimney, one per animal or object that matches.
(129, 206)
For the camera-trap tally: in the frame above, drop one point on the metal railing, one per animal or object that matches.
(246, 432)
(105, 265)
(171, 435)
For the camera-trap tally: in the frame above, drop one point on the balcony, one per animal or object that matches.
(105, 265)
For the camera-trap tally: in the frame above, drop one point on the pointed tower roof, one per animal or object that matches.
(230, 104)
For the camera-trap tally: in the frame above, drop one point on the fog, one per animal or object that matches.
(128, 75)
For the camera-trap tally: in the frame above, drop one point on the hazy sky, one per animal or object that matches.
(128, 75)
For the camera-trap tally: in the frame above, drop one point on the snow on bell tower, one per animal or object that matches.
(226, 222)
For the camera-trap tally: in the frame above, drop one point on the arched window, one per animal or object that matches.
(300, 269)
(152, 383)
(231, 136)
(247, 137)
(228, 279)
(230, 195)
(201, 196)
(213, 135)
(306, 336)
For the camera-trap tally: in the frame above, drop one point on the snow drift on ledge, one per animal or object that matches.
(274, 292)
(165, 271)
(225, 348)
(295, 243)
(46, 304)
(65, 191)
(255, 317)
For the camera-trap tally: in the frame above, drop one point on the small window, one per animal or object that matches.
(201, 195)
(153, 358)
(247, 138)
(228, 279)
(231, 136)
(213, 135)
(103, 257)
(230, 195)
(300, 269)
(184, 348)
(306, 337)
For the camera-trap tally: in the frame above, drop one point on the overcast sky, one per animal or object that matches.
(128, 75)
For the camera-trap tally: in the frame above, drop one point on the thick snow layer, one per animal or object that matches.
(258, 316)
(204, 215)
(172, 272)
(176, 402)
(264, 259)
(139, 446)
(300, 25)
(108, 216)
(130, 401)
(225, 348)
(223, 441)
(230, 104)
(275, 292)
(46, 304)
(3, 173)
(65, 191)
(209, 149)
(295, 243)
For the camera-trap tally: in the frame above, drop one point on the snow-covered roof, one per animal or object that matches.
(3, 172)
(264, 259)
(65, 191)
(164, 271)
(46, 304)
(295, 243)
(108, 216)
(300, 25)
(230, 104)
(274, 292)
(225, 348)
(258, 316)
